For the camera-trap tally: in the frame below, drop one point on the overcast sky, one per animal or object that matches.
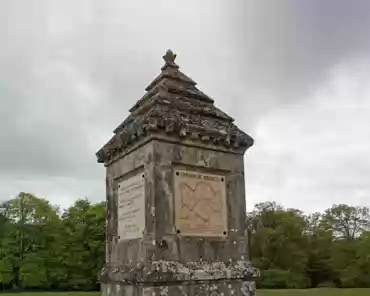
(294, 74)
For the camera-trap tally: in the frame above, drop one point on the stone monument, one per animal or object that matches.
(176, 220)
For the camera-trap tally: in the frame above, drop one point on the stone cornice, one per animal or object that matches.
(171, 272)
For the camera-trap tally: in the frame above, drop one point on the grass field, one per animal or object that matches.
(311, 292)
(316, 292)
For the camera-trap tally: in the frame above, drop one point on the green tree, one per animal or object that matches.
(8, 247)
(320, 268)
(31, 224)
(347, 221)
(84, 243)
(278, 244)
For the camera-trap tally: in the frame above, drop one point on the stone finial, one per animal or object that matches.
(169, 57)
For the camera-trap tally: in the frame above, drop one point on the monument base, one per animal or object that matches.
(212, 288)
(172, 278)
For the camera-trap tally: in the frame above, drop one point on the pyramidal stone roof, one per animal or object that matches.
(174, 109)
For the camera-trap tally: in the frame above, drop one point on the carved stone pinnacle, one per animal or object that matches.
(169, 57)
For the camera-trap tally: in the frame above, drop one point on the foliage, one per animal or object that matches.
(43, 248)
(294, 250)
(347, 222)
(281, 279)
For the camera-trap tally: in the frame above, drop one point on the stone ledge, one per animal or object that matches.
(174, 272)
(220, 288)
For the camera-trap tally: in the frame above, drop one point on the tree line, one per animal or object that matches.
(45, 248)
(294, 250)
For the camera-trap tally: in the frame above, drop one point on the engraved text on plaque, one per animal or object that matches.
(131, 208)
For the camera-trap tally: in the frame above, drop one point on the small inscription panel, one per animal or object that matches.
(200, 204)
(131, 208)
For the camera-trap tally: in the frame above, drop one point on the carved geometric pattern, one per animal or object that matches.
(200, 204)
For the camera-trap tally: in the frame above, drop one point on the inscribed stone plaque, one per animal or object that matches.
(131, 208)
(200, 204)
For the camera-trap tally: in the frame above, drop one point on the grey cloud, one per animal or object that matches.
(285, 48)
(69, 72)
(314, 153)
